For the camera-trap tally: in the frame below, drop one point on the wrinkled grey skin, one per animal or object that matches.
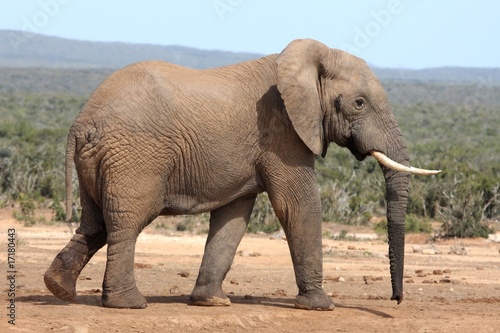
(159, 139)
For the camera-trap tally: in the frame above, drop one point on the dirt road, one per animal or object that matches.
(444, 292)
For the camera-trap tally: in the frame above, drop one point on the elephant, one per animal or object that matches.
(160, 139)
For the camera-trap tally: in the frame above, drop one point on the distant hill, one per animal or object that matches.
(40, 51)
(43, 51)
(483, 76)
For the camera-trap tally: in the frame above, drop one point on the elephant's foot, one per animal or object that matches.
(130, 299)
(314, 300)
(61, 276)
(205, 296)
(60, 284)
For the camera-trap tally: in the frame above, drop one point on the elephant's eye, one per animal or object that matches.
(359, 104)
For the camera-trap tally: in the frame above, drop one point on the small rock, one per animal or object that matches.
(428, 281)
(420, 275)
(452, 290)
(183, 274)
(334, 278)
(351, 247)
(459, 250)
(141, 265)
(419, 271)
(409, 281)
(245, 253)
(429, 251)
(233, 281)
(445, 281)
(480, 268)
(84, 278)
(279, 235)
(437, 272)
(420, 290)
(447, 271)
(375, 297)
(331, 278)
(417, 249)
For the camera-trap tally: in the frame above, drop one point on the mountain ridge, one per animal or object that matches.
(17, 50)
(22, 50)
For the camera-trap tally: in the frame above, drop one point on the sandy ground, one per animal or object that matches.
(444, 292)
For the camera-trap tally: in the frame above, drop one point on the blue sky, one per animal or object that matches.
(386, 33)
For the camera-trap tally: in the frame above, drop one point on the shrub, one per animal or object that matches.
(27, 213)
(465, 203)
(263, 218)
(59, 213)
(413, 224)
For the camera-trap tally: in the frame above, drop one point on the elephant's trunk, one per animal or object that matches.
(396, 197)
(397, 173)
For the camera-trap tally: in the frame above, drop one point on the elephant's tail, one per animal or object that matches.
(70, 156)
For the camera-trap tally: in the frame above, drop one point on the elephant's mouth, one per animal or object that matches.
(359, 156)
(351, 145)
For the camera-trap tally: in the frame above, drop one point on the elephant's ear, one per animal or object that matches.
(299, 67)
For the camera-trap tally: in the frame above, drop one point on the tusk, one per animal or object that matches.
(383, 159)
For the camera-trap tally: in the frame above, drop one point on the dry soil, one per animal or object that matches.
(451, 286)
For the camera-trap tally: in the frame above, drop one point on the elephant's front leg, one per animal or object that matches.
(300, 215)
(227, 227)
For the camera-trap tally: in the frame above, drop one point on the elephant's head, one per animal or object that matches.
(333, 96)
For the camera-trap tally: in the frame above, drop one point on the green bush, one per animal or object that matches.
(263, 218)
(413, 224)
(59, 212)
(27, 213)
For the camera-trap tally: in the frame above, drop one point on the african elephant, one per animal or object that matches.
(159, 139)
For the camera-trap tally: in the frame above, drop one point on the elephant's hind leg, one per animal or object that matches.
(227, 227)
(123, 225)
(62, 274)
(119, 289)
